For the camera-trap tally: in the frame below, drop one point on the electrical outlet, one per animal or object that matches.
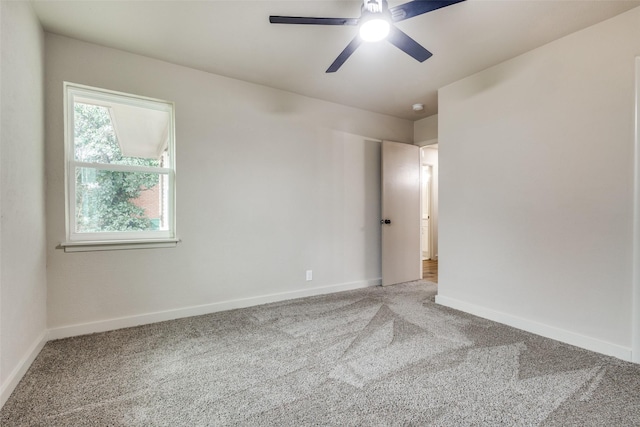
(309, 275)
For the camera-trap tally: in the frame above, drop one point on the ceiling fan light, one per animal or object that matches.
(374, 30)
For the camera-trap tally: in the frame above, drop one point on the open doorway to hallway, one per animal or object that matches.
(429, 211)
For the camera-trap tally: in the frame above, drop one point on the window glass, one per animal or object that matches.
(95, 139)
(120, 201)
(120, 183)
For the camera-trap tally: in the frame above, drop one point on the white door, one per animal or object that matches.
(400, 213)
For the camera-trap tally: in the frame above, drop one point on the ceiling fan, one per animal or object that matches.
(376, 23)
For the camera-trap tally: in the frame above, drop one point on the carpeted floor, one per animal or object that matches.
(372, 357)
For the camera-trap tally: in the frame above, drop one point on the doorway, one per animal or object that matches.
(403, 253)
(429, 212)
(400, 220)
(425, 211)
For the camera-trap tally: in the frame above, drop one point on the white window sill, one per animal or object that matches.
(117, 245)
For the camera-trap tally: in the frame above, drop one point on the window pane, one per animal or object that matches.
(121, 201)
(141, 134)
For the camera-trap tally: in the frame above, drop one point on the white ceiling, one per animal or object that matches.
(235, 39)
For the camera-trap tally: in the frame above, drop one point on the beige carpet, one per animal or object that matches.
(377, 356)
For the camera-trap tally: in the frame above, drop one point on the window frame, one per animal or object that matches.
(109, 240)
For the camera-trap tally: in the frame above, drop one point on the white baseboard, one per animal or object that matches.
(161, 316)
(16, 375)
(541, 329)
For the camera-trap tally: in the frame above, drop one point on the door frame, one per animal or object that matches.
(635, 325)
(430, 145)
(430, 240)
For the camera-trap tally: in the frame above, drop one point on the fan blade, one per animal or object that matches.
(312, 21)
(418, 7)
(345, 54)
(407, 45)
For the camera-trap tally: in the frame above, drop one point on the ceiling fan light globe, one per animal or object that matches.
(374, 30)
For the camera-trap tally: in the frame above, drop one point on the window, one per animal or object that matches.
(120, 169)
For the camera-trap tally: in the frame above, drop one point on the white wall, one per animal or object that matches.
(269, 184)
(425, 131)
(536, 180)
(22, 225)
